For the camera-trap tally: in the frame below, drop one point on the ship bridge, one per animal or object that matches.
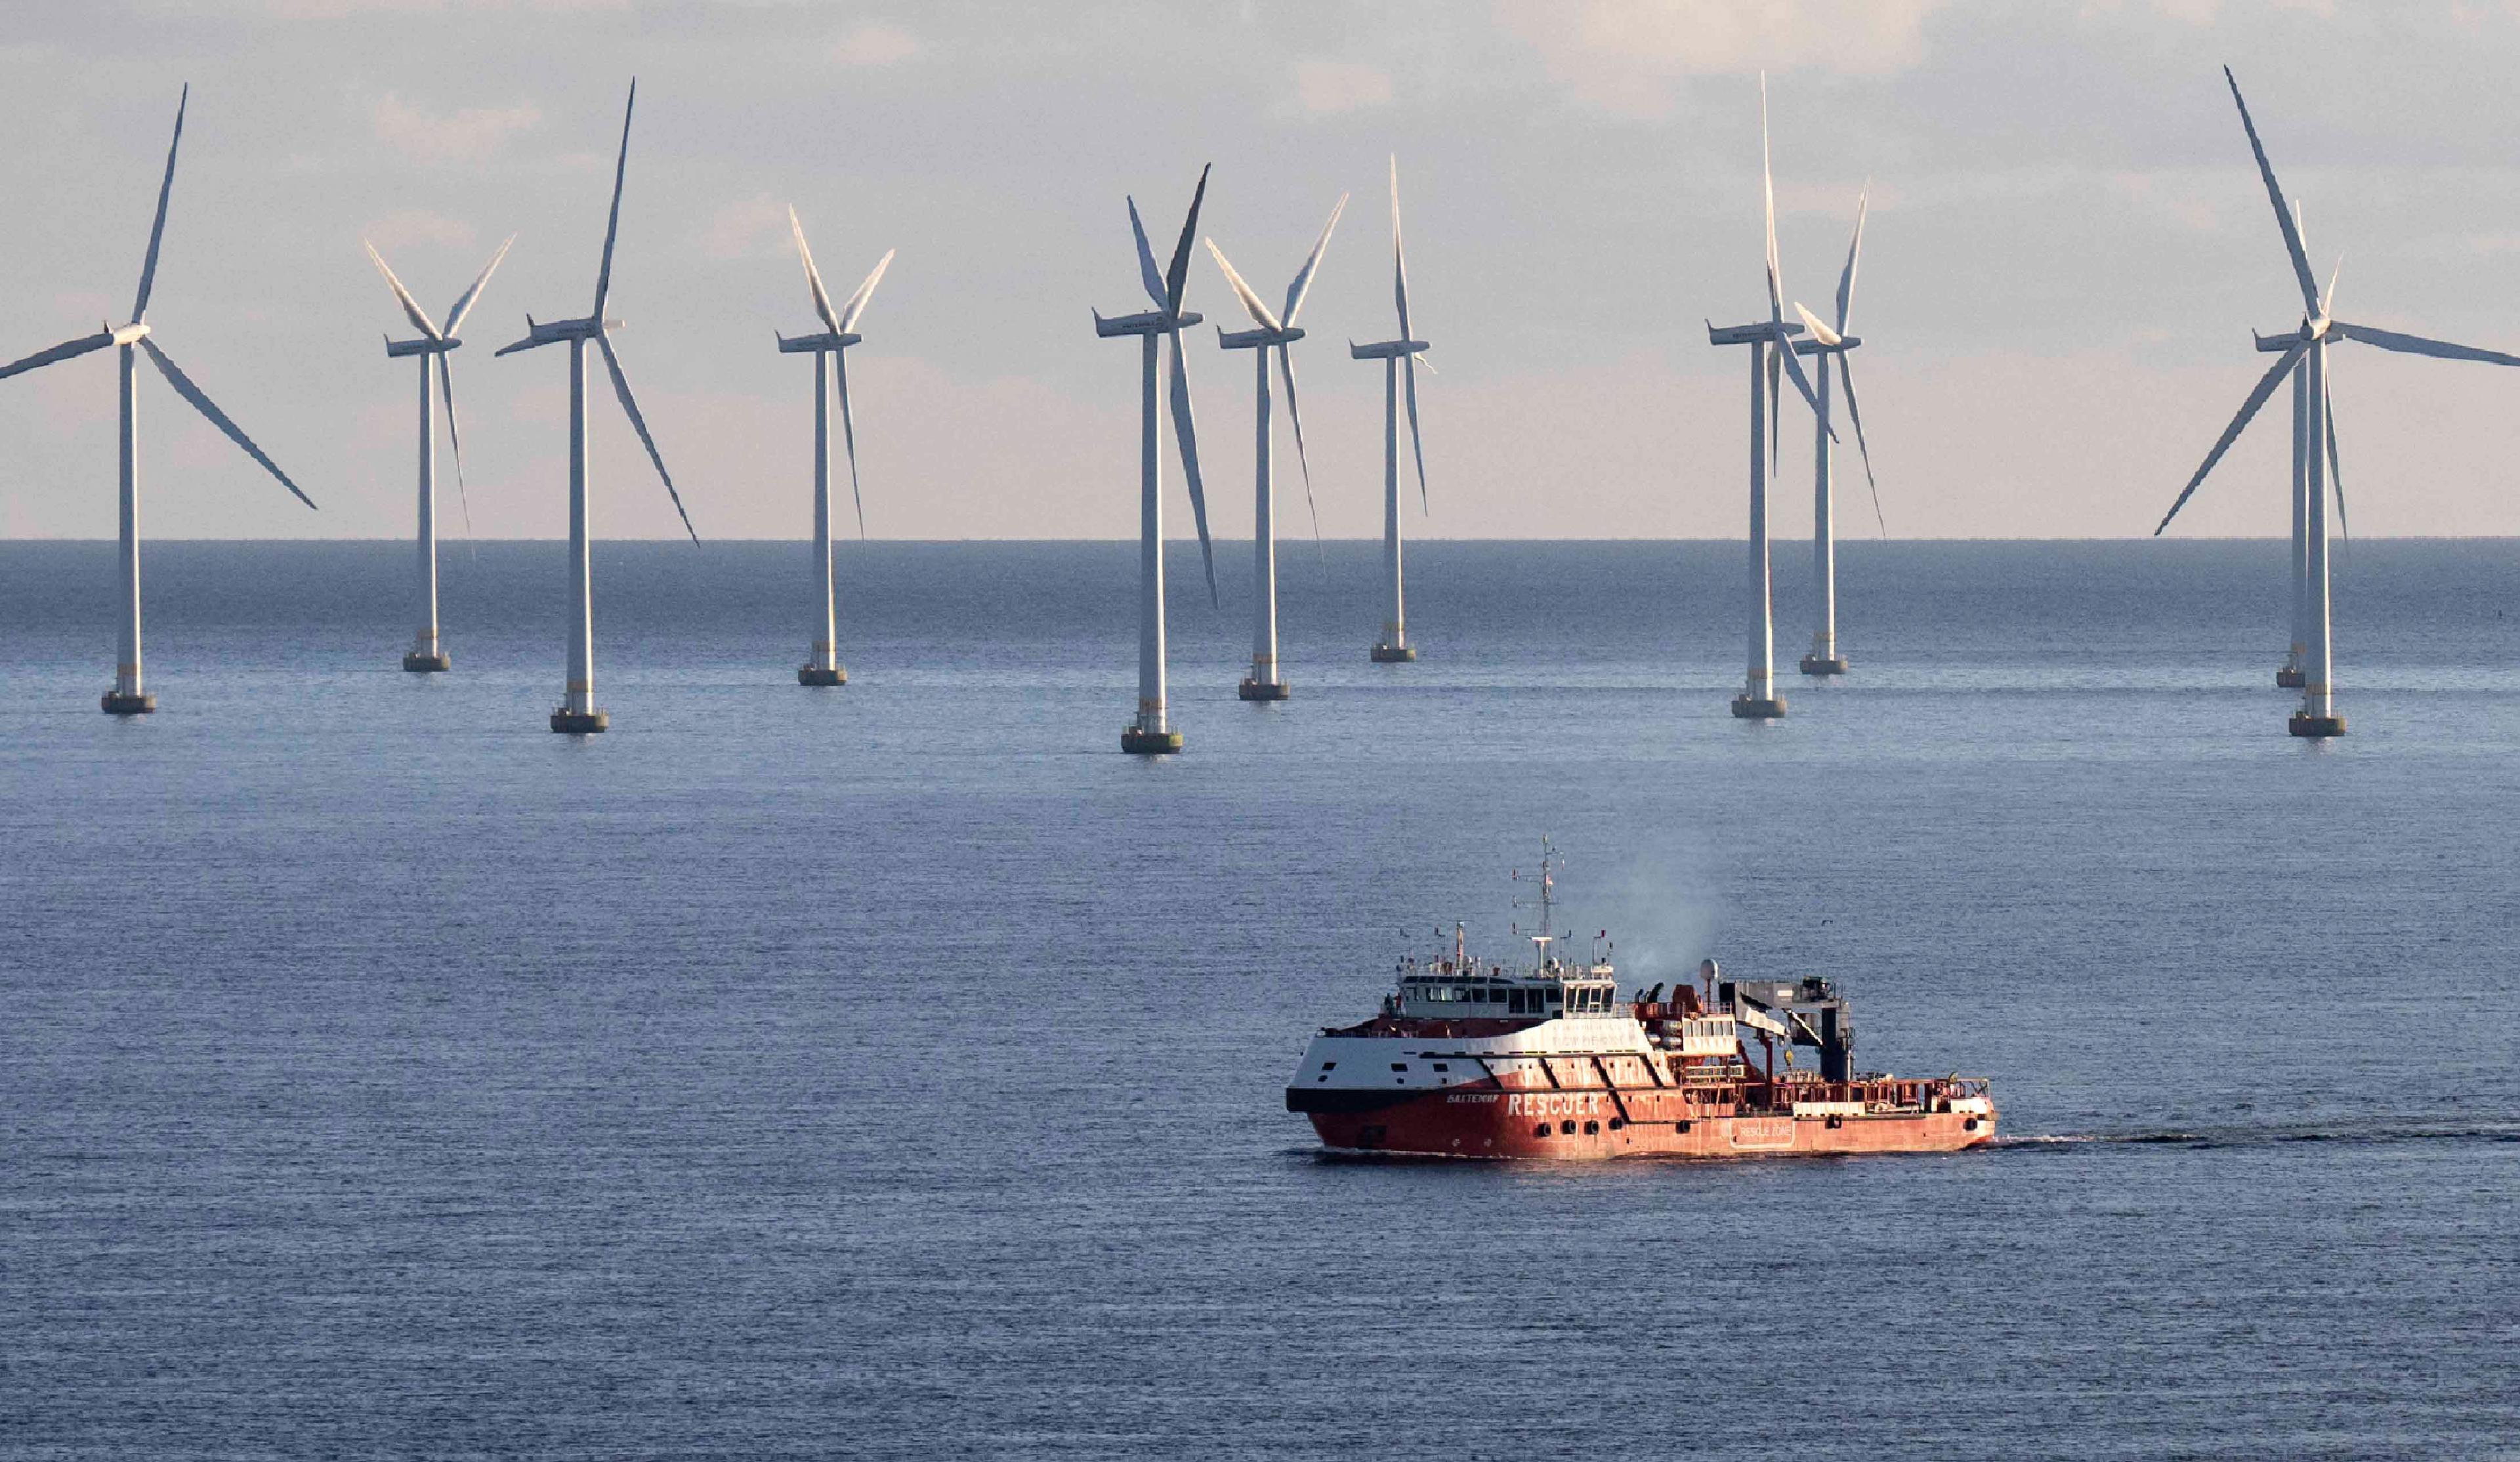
(1462, 989)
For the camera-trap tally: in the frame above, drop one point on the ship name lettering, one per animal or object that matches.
(1552, 1103)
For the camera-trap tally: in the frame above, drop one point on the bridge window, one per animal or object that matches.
(1440, 1066)
(1400, 1066)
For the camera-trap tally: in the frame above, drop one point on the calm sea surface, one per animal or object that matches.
(895, 1072)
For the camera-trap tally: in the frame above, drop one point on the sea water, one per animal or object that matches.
(896, 1070)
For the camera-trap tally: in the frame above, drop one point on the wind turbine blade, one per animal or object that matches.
(1186, 435)
(2266, 387)
(2327, 301)
(2275, 195)
(1854, 247)
(1177, 278)
(1399, 257)
(1251, 304)
(1768, 192)
(1819, 331)
(1855, 413)
(612, 221)
(1304, 276)
(2390, 339)
(639, 425)
(813, 276)
(1409, 379)
(184, 388)
(849, 433)
(1784, 351)
(866, 290)
(410, 307)
(1294, 413)
(2335, 468)
(158, 228)
(455, 435)
(62, 352)
(1148, 274)
(1776, 404)
(464, 305)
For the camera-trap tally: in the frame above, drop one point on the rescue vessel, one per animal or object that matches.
(1472, 1059)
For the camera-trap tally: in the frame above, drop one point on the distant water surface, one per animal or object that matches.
(895, 1071)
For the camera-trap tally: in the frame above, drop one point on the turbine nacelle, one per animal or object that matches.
(399, 349)
(1262, 339)
(129, 334)
(1838, 346)
(552, 332)
(1747, 334)
(1145, 323)
(813, 344)
(1385, 350)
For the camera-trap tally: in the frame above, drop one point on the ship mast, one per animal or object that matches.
(1548, 889)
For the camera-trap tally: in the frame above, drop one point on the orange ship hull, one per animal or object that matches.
(1611, 1122)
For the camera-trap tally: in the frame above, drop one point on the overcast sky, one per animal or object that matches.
(2068, 248)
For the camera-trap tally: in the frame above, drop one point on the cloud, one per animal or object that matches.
(1626, 56)
(417, 226)
(873, 43)
(465, 136)
(1325, 88)
(738, 229)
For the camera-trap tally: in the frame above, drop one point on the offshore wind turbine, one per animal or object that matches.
(1828, 342)
(576, 714)
(129, 698)
(830, 350)
(2302, 357)
(434, 344)
(1150, 733)
(1278, 334)
(1772, 352)
(1399, 359)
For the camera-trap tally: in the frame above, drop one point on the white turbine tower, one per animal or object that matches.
(2305, 351)
(577, 713)
(1399, 359)
(1771, 351)
(434, 344)
(128, 698)
(1278, 334)
(1828, 342)
(1150, 733)
(830, 350)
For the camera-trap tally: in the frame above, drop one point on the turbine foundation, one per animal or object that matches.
(416, 661)
(822, 675)
(1394, 655)
(2290, 678)
(1139, 741)
(570, 723)
(1759, 708)
(1817, 664)
(1252, 689)
(128, 702)
(2304, 724)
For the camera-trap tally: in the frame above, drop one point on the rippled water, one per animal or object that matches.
(895, 1071)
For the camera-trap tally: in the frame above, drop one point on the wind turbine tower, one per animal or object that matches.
(1829, 344)
(1150, 733)
(129, 698)
(1399, 359)
(830, 350)
(2304, 359)
(1771, 351)
(432, 347)
(1265, 682)
(576, 714)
